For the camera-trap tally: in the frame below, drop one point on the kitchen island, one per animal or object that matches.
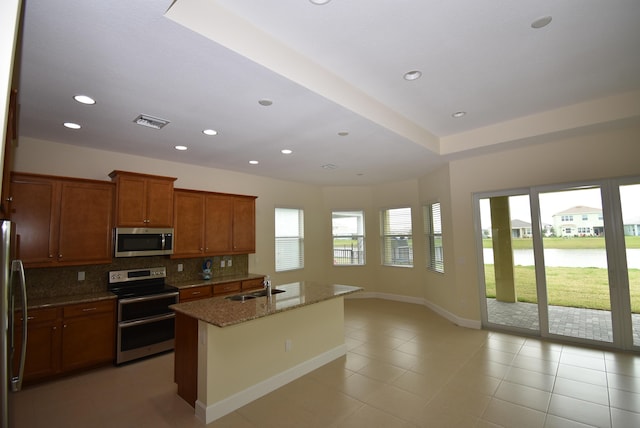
(231, 352)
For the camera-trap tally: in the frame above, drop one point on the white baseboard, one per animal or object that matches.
(208, 414)
(462, 322)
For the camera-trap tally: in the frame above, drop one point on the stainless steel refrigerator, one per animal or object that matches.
(13, 293)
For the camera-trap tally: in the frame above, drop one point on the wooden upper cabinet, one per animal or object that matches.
(62, 221)
(188, 223)
(208, 223)
(9, 148)
(143, 200)
(244, 225)
(219, 224)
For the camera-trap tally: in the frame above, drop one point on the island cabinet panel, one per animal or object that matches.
(62, 221)
(188, 223)
(185, 371)
(226, 224)
(195, 293)
(143, 200)
(88, 335)
(44, 340)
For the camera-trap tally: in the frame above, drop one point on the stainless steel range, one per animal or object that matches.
(146, 325)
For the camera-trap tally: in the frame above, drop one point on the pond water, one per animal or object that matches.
(568, 258)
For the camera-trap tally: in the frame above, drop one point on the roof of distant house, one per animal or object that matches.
(580, 209)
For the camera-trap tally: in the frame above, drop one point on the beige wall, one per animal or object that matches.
(612, 152)
(609, 152)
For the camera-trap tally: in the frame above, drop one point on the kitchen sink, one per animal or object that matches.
(249, 296)
(241, 297)
(263, 293)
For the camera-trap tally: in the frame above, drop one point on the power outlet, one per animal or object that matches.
(81, 276)
(180, 267)
(222, 263)
(288, 345)
(229, 262)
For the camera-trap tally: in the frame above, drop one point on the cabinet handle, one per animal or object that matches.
(30, 318)
(55, 328)
(195, 293)
(89, 309)
(10, 199)
(50, 256)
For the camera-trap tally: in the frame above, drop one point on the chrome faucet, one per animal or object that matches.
(267, 285)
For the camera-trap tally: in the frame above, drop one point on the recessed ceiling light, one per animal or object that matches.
(343, 133)
(254, 162)
(181, 148)
(286, 151)
(71, 125)
(265, 102)
(319, 2)
(541, 22)
(412, 75)
(84, 99)
(459, 114)
(210, 132)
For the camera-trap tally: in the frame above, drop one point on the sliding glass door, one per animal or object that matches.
(575, 264)
(562, 261)
(509, 269)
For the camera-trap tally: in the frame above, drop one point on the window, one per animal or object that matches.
(585, 217)
(397, 241)
(348, 238)
(289, 239)
(433, 235)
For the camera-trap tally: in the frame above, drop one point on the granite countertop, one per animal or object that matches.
(214, 281)
(50, 302)
(223, 312)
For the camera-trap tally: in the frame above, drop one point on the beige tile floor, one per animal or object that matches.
(406, 367)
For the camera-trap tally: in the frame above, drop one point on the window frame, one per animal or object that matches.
(384, 237)
(430, 234)
(299, 238)
(360, 238)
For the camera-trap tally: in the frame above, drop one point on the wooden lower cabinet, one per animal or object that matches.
(252, 284)
(66, 339)
(227, 287)
(195, 293)
(88, 335)
(44, 340)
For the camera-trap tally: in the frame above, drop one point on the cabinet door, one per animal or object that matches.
(88, 340)
(131, 204)
(43, 344)
(219, 224)
(159, 203)
(188, 224)
(35, 212)
(86, 222)
(244, 225)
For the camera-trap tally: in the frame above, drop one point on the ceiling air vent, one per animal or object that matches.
(150, 121)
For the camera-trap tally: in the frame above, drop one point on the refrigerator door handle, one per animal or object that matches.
(16, 381)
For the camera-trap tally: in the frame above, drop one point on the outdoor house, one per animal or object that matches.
(578, 221)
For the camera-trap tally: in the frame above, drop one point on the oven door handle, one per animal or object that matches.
(146, 320)
(129, 300)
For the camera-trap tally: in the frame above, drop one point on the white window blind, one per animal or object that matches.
(433, 237)
(348, 238)
(289, 239)
(397, 239)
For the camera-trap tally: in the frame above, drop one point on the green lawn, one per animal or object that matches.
(566, 243)
(566, 286)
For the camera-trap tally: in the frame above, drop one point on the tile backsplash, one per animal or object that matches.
(60, 281)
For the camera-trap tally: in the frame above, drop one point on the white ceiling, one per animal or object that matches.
(327, 69)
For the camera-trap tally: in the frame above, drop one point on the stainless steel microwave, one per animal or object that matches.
(143, 241)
